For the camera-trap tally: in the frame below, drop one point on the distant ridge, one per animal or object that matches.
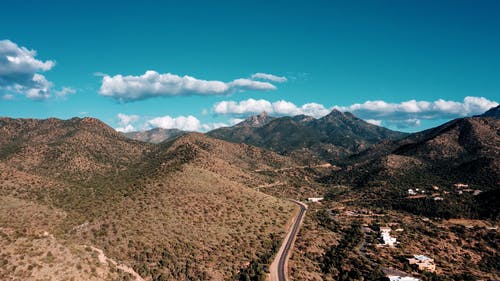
(156, 135)
(335, 135)
(492, 112)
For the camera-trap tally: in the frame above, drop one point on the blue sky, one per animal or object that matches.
(408, 65)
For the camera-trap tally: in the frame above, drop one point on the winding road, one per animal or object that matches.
(279, 268)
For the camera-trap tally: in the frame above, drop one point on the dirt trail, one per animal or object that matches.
(103, 259)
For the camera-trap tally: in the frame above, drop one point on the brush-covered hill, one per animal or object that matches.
(465, 150)
(155, 135)
(74, 149)
(186, 209)
(329, 138)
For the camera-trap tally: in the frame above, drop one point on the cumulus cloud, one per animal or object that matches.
(413, 109)
(402, 124)
(65, 91)
(126, 129)
(281, 107)
(186, 123)
(244, 107)
(8, 97)
(374, 122)
(212, 126)
(125, 122)
(270, 77)
(234, 121)
(407, 114)
(127, 119)
(153, 84)
(19, 71)
(131, 122)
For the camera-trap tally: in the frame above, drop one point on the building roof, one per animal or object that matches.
(422, 257)
(402, 278)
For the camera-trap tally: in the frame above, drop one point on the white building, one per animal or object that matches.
(314, 199)
(423, 262)
(401, 278)
(385, 233)
(411, 192)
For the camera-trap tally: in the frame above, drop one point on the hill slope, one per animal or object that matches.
(465, 150)
(330, 137)
(181, 210)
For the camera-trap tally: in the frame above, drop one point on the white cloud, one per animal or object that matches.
(127, 119)
(185, 123)
(212, 126)
(19, 71)
(154, 84)
(99, 74)
(8, 97)
(245, 107)
(126, 122)
(234, 121)
(314, 109)
(270, 77)
(402, 124)
(281, 107)
(413, 109)
(407, 114)
(65, 91)
(126, 129)
(129, 123)
(374, 122)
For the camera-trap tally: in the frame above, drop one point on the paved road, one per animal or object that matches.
(278, 268)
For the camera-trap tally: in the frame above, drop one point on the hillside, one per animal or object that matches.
(74, 149)
(155, 135)
(329, 138)
(181, 210)
(465, 150)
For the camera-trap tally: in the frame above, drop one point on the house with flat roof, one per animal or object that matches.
(423, 263)
(385, 234)
(402, 278)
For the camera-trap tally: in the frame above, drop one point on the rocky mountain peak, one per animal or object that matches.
(256, 121)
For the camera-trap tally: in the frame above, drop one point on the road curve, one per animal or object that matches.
(279, 267)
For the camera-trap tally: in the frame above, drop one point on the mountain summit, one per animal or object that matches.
(334, 135)
(256, 121)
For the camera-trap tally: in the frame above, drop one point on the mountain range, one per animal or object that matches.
(328, 138)
(212, 206)
(462, 151)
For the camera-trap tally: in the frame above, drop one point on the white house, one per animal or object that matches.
(314, 199)
(423, 262)
(385, 233)
(411, 192)
(402, 278)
